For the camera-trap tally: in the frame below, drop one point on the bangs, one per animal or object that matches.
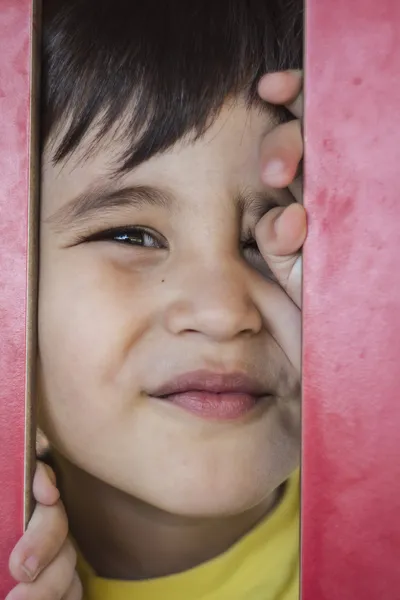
(165, 67)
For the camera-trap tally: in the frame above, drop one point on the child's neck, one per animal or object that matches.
(123, 538)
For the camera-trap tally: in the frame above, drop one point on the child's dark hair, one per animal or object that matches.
(166, 65)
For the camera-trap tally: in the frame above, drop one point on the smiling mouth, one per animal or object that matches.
(208, 395)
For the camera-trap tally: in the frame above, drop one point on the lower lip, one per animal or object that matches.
(220, 407)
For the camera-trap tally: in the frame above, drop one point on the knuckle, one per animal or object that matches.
(63, 569)
(70, 553)
(57, 522)
(50, 543)
(63, 519)
(65, 561)
(75, 592)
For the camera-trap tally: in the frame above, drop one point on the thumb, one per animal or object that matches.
(280, 234)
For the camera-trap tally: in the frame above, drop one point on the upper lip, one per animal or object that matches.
(216, 383)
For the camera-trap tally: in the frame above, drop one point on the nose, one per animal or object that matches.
(214, 301)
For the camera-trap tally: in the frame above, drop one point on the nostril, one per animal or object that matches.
(219, 309)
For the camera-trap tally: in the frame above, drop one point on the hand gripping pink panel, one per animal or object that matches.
(16, 259)
(351, 412)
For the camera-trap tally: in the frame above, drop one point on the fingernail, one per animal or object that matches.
(31, 567)
(274, 172)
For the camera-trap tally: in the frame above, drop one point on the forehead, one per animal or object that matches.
(227, 154)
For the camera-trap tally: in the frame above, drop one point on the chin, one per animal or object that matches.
(228, 504)
(225, 480)
(235, 492)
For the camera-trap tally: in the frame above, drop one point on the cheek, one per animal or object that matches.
(228, 473)
(91, 310)
(89, 319)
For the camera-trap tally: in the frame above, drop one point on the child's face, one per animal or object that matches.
(117, 321)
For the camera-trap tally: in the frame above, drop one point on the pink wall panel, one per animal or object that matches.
(351, 412)
(15, 92)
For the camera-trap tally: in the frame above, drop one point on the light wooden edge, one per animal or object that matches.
(32, 262)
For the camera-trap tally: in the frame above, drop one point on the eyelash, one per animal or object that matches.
(121, 235)
(250, 244)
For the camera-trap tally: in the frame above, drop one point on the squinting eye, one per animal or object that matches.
(130, 236)
(252, 254)
(250, 246)
(137, 237)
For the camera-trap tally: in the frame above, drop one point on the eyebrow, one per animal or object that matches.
(103, 198)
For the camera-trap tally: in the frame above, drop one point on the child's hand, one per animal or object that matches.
(43, 561)
(282, 231)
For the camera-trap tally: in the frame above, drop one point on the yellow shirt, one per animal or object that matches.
(263, 565)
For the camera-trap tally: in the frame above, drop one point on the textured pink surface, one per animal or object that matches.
(351, 414)
(15, 18)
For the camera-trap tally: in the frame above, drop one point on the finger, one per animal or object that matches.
(44, 485)
(75, 591)
(282, 231)
(280, 235)
(52, 582)
(283, 319)
(41, 543)
(283, 87)
(281, 153)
